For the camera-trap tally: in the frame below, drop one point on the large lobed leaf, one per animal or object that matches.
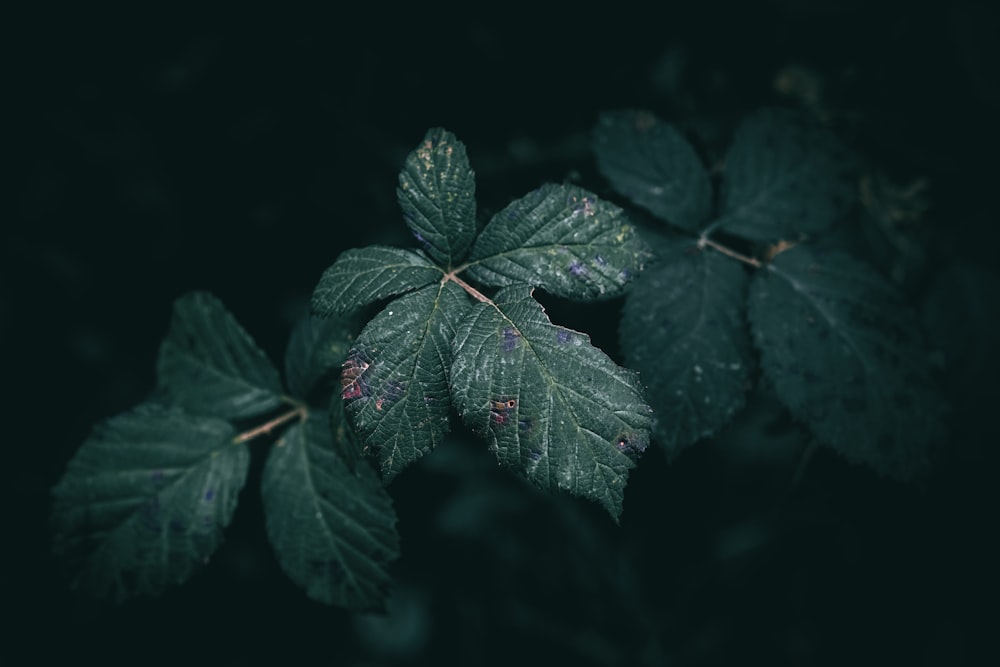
(562, 239)
(143, 502)
(684, 327)
(362, 276)
(652, 164)
(437, 192)
(845, 356)
(551, 404)
(332, 526)
(210, 365)
(786, 176)
(395, 379)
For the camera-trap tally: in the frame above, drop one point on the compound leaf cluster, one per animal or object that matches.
(144, 501)
(836, 341)
(551, 405)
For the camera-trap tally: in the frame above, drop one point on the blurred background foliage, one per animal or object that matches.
(153, 152)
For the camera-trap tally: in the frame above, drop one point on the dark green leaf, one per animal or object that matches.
(210, 366)
(652, 164)
(395, 379)
(437, 192)
(316, 349)
(365, 275)
(786, 176)
(845, 356)
(684, 329)
(143, 503)
(551, 404)
(563, 239)
(333, 527)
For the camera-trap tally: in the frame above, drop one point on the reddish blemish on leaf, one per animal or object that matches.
(352, 381)
(502, 409)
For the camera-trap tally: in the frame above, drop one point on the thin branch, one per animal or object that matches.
(705, 241)
(299, 412)
(476, 294)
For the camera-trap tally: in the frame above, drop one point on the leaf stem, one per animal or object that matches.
(729, 252)
(476, 294)
(298, 411)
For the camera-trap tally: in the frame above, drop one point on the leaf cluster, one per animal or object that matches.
(144, 501)
(836, 341)
(551, 405)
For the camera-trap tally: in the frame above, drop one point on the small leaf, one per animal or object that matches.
(395, 379)
(210, 365)
(551, 404)
(652, 164)
(563, 239)
(845, 356)
(143, 503)
(333, 527)
(437, 192)
(786, 176)
(365, 275)
(684, 328)
(316, 350)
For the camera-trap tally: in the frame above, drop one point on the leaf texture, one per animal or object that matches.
(333, 527)
(365, 275)
(395, 379)
(652, 164)
(786, 176)
(143, 502)
(552, 405)
(562, 239)
(437, 192)
(845, 355)
(210, 365)
(684, 327)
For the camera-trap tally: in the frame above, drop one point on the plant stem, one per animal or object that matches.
(705, 241)
(298, 411)
(476, 294)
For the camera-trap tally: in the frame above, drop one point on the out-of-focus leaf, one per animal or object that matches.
(143, 503)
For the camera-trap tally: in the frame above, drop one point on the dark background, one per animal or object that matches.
(154, 153)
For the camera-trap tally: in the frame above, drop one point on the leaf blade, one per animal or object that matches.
(143, 502)
(652, 164)
(786, 176)
(395, 380)
(437, 192)
(562, 239)
(333, 527)
(552, 405)
(684, 326)
(316, 349)
(210, 365)
(846, 358)
(362, 276)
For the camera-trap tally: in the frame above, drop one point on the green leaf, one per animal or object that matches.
(652, 164)
(786, 176)
(563, 239)
(437, 192)
(143, 503)
(316, 349)
(210, 366)
(333, 527)
(845, 356)
(684, 328)
(395, 379)
(551, 404)
(365, 275)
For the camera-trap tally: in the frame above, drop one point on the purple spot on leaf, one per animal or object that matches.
(600, 261)
(577, 269)
(209, 495)
(562, 336)
(510, 337)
